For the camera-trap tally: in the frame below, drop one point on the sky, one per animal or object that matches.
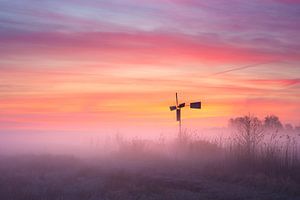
(75, 65)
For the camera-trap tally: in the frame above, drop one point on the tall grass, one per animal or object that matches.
(277, 156)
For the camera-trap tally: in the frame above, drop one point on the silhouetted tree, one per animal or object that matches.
(289, 127)
(248, 132)
(272, 123)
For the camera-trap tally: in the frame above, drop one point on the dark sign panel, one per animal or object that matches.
(196, 105)
(178, 114)
(181, 105)
(172, 108)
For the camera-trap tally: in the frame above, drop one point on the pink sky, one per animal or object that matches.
(80, 66)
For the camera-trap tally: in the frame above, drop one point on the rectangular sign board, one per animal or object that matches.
(172, 108)
(196, 105)
(181, 105)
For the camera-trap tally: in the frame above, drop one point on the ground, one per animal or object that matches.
(68, 178)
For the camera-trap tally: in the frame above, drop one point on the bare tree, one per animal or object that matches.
(248, 132)
(272, 124)
(289, 127)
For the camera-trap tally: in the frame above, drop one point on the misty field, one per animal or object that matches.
(63, 177)
(187, 167)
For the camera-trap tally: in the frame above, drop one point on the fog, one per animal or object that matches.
(93, 144)
(88, 144)
(234, 162)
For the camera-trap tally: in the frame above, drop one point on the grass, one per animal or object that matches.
(275, 160)
(188, 168)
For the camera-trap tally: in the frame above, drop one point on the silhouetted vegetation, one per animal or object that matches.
(273, 124)
(248, 131)
(258, 160)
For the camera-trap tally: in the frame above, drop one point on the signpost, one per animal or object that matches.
(177, 107)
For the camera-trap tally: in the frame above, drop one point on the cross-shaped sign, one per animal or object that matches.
(177, 107)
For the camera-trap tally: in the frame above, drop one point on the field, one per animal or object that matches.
(189, 168)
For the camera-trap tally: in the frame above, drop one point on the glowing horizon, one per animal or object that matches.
(76, 65)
